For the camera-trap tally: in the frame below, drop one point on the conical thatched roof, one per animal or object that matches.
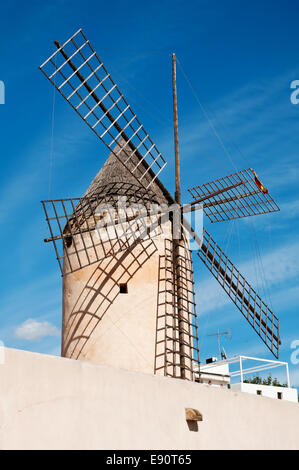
(114, 176)
(115, 180)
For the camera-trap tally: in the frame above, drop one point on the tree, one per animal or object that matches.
(268, 381)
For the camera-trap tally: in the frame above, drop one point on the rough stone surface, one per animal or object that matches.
(114, 171)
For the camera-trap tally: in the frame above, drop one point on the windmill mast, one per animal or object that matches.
(176, 134)
(177, 244)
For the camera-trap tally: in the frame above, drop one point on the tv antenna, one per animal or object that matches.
(227, 333)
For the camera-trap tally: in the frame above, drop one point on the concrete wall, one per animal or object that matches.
(56, 403)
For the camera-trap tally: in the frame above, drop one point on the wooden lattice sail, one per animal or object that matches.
(80, 76)
(250, 304)
(235, 196)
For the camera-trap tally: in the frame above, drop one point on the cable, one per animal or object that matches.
(224, 128)
(207, 116)
(264, 284)
(136, 51)
(165, 121)
(52, 141)
(156, 109)
(230, 233)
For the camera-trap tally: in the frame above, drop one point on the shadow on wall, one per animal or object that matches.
(99, 293)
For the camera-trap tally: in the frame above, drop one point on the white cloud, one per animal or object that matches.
(211, 296)
(235, 108)
(252, 350)
(33, 330)
(55, 351)
(289, 209)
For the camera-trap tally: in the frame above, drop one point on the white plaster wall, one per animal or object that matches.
(207, 374)
(56, 403)
(221, 369)
(289, 394)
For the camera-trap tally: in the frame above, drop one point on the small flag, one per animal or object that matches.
(259, 183)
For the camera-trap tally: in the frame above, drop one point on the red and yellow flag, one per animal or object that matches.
(259, 183)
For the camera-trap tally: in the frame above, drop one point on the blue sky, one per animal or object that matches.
(240, 59)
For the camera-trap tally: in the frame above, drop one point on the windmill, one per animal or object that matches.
(128, 299)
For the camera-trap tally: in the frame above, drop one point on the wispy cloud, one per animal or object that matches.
(251, 350)
(32, 330)
(255, 118)
(289, 210)
(278, 266)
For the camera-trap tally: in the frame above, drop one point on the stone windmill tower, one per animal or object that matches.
(128, 290)
(114, 310)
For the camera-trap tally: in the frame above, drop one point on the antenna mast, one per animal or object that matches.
(219, 334)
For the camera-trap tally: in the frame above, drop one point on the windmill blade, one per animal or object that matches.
(101, 224)
(77, 239)
(239, 195)
(80, 76)
(252, 307)
(90, 229)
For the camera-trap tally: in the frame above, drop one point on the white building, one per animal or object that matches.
(280, 393)
(215, 373)
(222, 374)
